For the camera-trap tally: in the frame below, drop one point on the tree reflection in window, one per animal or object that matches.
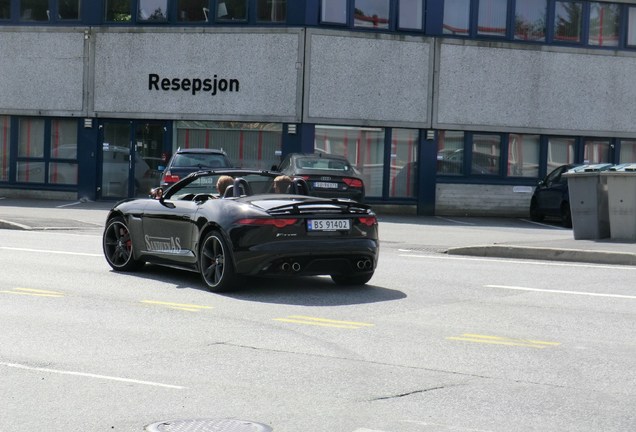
(118, 10)
(567, 21)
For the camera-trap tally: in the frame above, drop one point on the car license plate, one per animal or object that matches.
(328, 224)
(326, 185)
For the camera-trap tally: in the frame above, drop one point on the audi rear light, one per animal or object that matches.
(351, 182)
(368, 220)
(278, 222)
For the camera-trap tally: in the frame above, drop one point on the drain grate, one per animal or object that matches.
(208, 425)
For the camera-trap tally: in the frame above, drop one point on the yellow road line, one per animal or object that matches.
(33, 292)
(499, 340)
(323, 322)
(177, 306)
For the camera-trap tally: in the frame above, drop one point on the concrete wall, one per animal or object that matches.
(508, 87)
(368, 79)
(266, 65)
(42, 71)
(482, 200)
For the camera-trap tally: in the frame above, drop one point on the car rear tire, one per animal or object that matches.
(566, 215)
(352, 279)
(215, 263)
(535, 215)
(118, 247)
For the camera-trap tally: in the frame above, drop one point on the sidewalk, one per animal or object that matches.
(484, 237)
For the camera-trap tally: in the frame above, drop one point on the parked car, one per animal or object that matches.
(450, 161)
(327, 176)
(551, 197)
(186, 161)
(248, 232)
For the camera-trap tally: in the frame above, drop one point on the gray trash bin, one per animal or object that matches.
(588, 202)
(621, 186)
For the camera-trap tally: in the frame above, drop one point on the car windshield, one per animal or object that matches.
(322, 164)
(182, 160)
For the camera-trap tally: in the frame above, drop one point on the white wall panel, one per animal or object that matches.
(502, 88)
(368, 79)
(266, 65)
(41, 71)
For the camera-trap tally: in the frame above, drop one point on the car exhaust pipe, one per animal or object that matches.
(295, 267)
(364, 264)
(285, 267)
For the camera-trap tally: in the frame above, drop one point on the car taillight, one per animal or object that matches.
(368, 220)
(354, 183)
(278, 223)
(169, 178)
(305, 177)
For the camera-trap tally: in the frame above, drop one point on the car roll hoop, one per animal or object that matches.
(240, 188)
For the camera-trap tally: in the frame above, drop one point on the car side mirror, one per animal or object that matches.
(274, 168)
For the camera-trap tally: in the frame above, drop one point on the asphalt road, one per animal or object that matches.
(434, 343)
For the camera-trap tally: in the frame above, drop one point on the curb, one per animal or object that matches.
(547, 254)
(5, 224)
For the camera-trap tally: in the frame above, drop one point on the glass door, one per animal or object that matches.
(132, 158)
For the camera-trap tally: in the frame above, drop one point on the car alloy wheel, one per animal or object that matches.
(215, 263)
(118, 247)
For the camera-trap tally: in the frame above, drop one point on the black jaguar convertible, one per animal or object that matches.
(249, 231)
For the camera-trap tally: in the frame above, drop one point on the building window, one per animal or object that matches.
(523, 155)
(35, 10)
(410, 15)
(5, 147)
(192, 11)
(362, 146)
(63, 158)
(403, 174)
(43, 159)
(457, 17)
(5, 9)
(486, 154)
(596, 151)
(232, 10)
(118, 11)
(371, 14)
(450, 153)
(333, 11)
(254, 145)
(530, 20)
(567, 21)
(628, 151)
(605, 22)
(631, 26)
(271, 11)
(561, 151)
(492, 17)
(30, 165)
(153, 10)
(68, 10)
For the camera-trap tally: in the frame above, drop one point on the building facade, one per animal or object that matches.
(448, 107)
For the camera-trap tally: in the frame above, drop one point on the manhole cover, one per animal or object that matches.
(208, 425)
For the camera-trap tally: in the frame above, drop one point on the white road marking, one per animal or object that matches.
(545, 225)
(525, 262)
(89, 375)
(454, 221)
(70, 204)
(591, 294)
(50, 251)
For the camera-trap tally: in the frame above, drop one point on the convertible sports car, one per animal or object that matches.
(250, 231)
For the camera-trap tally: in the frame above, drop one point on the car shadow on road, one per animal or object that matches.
(303, 291)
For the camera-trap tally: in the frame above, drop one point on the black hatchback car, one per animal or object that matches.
(327, 176)
(551, 197)
(186, 161)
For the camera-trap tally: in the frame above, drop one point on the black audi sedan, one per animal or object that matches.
(327, 176)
